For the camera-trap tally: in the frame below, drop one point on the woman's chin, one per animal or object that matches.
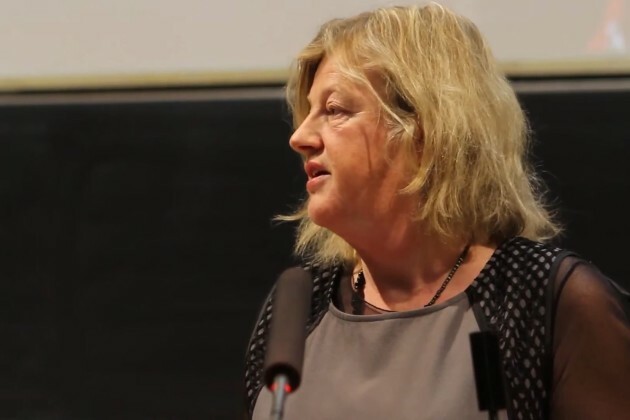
(323, 214)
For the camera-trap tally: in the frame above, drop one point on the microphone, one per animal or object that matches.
(488, 379)
(282, 370)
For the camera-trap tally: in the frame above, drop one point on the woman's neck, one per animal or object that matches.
(405, 273)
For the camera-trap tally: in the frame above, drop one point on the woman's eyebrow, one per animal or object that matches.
(327, 92)
(324, 94)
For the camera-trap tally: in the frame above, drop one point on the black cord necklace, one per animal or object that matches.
(358, 289)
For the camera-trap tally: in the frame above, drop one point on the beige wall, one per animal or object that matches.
(198, 41)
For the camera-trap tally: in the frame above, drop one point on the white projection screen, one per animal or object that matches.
(67, 44)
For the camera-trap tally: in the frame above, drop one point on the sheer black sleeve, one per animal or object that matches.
(591, 345)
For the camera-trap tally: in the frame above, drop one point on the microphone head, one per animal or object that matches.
(287, 332)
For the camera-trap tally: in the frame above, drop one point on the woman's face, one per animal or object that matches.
(343, 140)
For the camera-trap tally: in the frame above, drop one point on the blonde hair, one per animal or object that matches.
(446, 98)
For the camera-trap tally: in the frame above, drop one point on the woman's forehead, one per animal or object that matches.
(335, 75)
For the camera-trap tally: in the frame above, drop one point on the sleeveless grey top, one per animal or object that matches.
(399, 365)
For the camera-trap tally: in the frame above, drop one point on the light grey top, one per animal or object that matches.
(399, 365)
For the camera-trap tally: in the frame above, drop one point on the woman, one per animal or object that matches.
(423, 224)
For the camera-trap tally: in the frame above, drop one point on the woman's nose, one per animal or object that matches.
(306, 140)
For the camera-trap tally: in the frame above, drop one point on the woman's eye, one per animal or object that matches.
(334, 111)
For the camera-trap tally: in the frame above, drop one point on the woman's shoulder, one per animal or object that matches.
(579, 281)
(521, 260)
(582, 288)
(524, 249)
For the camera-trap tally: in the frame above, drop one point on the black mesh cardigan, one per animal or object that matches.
(553, 312)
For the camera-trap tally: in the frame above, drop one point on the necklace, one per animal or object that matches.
(358, 289)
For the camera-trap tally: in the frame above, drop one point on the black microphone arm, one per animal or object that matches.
(287, 335)
(488, 372)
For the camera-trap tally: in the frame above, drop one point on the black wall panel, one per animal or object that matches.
(137, 243)
(582, 143)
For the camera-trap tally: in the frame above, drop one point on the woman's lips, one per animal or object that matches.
(317, 175)
(313, 169)
(313, 184)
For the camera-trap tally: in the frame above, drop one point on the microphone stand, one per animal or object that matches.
(281, 389)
